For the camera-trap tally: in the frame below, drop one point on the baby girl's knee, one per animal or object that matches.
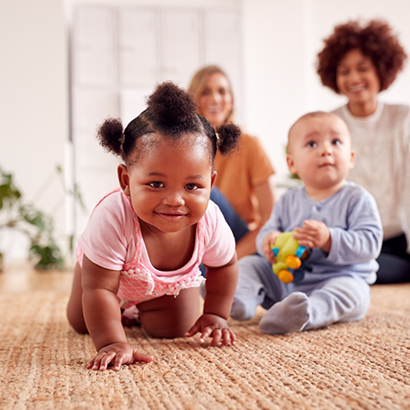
(77, 323)
(170, 316)
(166, 325)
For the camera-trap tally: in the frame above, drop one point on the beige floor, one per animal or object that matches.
(358, 365)
(21, 277)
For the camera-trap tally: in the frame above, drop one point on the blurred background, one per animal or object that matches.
(68, 64)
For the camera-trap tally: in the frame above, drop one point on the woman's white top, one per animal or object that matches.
(381, 142)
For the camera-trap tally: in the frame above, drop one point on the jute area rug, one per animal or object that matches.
(362, 365)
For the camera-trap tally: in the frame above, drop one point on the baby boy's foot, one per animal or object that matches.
(131, 317)
(202, 289)
(241, 311)
(290, 315)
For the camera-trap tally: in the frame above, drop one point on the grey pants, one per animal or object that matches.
(338, 297)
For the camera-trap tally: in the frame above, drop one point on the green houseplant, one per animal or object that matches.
(20, 215)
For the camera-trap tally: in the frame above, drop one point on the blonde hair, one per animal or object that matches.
(200, 79)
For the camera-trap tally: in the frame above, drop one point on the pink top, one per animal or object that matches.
(113, 240)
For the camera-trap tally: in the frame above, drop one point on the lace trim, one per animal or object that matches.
(137, 284)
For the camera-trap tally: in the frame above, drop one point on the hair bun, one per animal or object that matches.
(171, 105)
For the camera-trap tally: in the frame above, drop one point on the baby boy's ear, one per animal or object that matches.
(124, 179)
(291, 164)
(352, 159)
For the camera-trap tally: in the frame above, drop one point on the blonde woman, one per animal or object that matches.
(242, 178)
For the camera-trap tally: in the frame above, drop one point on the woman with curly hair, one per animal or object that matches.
(243, 192)
(360, 61)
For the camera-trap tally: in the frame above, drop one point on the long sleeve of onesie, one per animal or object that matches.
(353, 221)
(361, 240)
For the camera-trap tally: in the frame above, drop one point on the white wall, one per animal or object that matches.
(33, 103)
(275, 86)
(281, 40)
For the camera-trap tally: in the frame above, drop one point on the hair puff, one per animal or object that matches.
(229, 138)
(110, 135)
(171, 106)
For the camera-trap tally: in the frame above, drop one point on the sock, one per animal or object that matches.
(131, 317)
(242, 310)
(202, 289)
(290, 315)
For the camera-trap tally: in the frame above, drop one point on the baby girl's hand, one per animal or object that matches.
(117, 354)
(213, 326)
(314, 234)
(266, 246)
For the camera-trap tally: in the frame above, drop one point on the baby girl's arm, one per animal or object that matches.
(220, 290)
(314, 234)
(102, 316)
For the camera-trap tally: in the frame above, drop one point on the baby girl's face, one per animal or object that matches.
(320, 152)
(170, 183)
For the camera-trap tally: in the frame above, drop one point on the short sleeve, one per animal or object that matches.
(219, 239)
(107, 237)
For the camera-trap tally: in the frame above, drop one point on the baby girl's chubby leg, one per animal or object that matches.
(75, 307)
(169, 316)
(165, 316)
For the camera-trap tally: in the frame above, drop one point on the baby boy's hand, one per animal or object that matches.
(266, 246)
(213, 326)
(314, 234)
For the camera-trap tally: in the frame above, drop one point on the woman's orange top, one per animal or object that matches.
(238, 174)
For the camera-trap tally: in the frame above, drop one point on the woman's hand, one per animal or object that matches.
(265, 194)
(117, 354)
(266, 246)
(213, 326)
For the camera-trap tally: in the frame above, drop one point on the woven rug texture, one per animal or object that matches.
(360, 365)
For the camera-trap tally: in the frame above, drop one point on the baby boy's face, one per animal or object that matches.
(319, 151)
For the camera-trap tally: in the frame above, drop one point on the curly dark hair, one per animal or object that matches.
(172, 113)
(375, 40)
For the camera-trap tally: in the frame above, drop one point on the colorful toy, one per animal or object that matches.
(288, 254)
